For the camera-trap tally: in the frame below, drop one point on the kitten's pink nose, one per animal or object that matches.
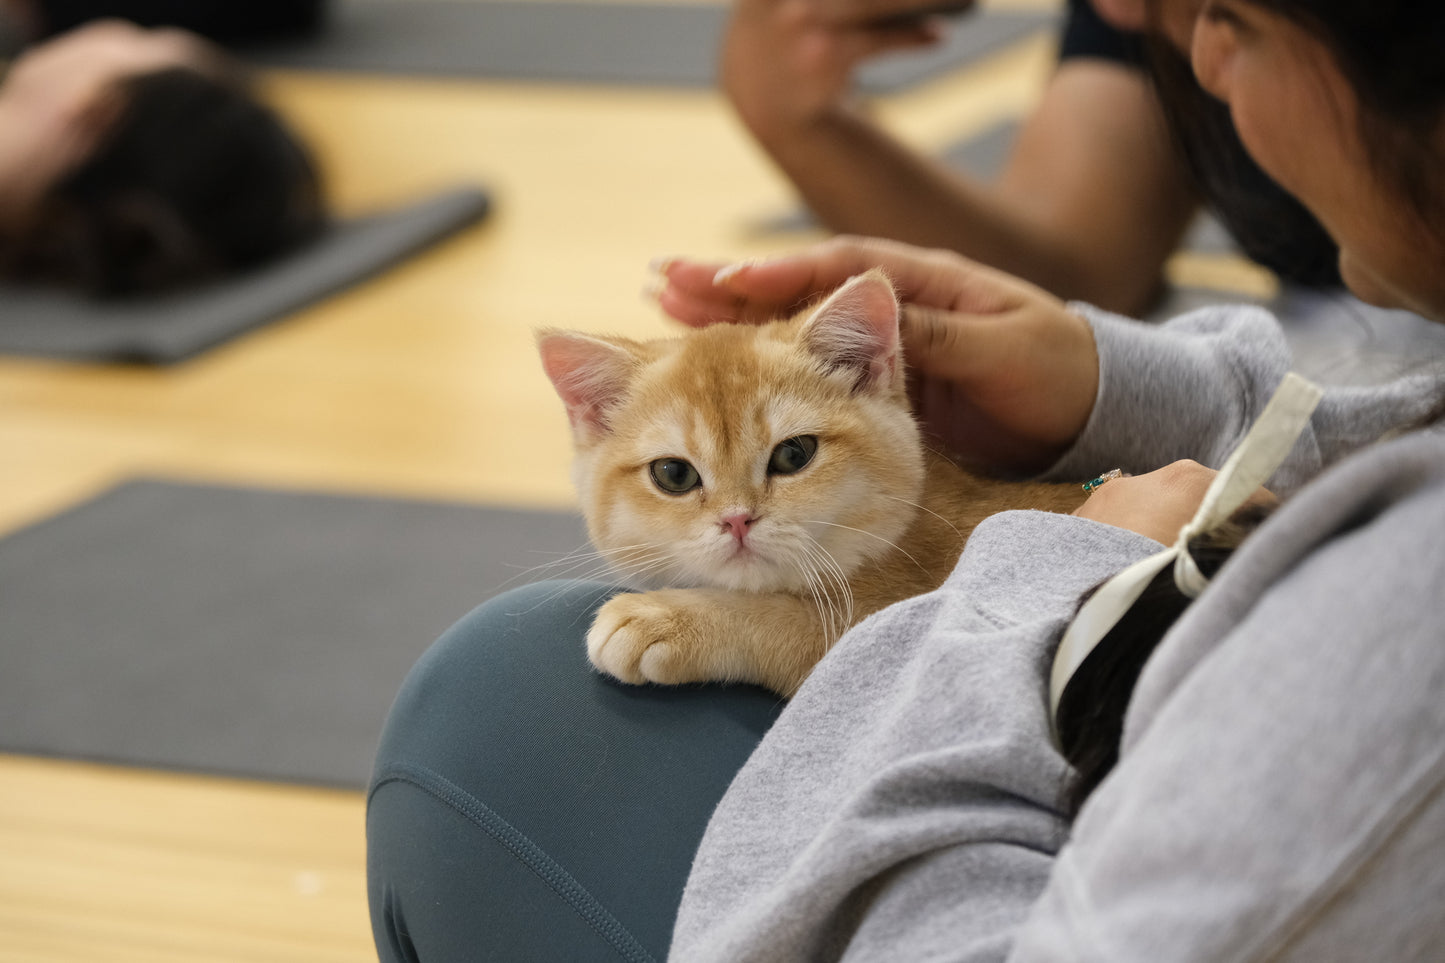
(738, 524)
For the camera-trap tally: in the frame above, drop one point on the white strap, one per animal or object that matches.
(1247, 468)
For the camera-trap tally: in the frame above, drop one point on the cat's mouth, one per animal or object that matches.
(742, 550)
(747, 568)
(745, 554)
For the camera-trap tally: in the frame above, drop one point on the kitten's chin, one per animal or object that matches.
(741, 573)
(763, 572)
(753, 574)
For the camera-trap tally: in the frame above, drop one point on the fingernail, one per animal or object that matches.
(652, 290)
(732, 270)
(661, 265)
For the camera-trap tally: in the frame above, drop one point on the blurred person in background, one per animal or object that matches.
(134, 160)
(1108, 169)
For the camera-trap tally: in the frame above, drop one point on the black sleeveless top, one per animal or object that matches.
(225, 21)
(1272, 228)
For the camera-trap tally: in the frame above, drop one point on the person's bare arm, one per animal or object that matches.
(1090, 204)
(1095, 184)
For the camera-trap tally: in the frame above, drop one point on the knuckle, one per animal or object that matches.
(1120, 490)
(1185, 472)
(949, 259)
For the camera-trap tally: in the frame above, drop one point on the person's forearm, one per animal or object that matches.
(858, 179)
(1090, 204)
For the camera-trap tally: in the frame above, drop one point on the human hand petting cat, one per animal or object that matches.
(1002, 374)
(787, 63)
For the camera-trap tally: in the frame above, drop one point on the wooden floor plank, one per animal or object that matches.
(103, 863)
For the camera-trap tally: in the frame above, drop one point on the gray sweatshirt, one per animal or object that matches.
(1281, 790)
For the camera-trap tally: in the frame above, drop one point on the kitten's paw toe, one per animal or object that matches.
(659, 663)
(632, 639)
(611, 650)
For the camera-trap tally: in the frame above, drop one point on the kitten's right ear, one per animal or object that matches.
(856, 329)
(591, 377)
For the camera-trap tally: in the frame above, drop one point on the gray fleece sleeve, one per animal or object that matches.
(915, 760)
(1191, 389)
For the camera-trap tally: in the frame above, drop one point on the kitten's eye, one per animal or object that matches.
(674, 476)
(792, 455)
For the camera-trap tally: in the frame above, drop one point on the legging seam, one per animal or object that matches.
(525, 851)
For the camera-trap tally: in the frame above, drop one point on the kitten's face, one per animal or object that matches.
(750, 458)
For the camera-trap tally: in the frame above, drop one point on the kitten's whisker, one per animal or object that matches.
(929, 511)
(939, 452)
(592, 563)
(825, 601)
(567, 564)
(556, 568)
(828, 567)
(583, 564)
(545, 601)
(828, 615)
(646, 561)
(893, 545)
(584, 551)
(644, 556)
(824, 607)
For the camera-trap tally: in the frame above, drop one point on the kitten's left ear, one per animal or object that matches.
(856, 329)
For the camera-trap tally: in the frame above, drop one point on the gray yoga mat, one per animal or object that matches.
(240, 631)
(170, 328)
(586, 42)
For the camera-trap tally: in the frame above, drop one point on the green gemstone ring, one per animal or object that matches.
(1091, 486)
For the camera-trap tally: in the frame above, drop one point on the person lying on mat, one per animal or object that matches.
(1097, 191)
(1275, 784)
(135, 160)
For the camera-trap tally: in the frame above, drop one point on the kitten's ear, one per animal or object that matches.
(856, 328)
(591, 376)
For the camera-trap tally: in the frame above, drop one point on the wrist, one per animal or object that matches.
(802, 137)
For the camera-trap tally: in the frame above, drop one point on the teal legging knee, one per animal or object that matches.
(525, 807)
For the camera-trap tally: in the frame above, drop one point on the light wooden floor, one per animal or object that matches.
(422, 382)
(102, 864)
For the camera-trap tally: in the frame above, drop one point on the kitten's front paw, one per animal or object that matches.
(637, 638)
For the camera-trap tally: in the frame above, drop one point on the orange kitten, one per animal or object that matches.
(772, 479)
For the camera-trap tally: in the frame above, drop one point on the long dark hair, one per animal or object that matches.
(1271, 227)
(1391, 53)
(195, 178)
